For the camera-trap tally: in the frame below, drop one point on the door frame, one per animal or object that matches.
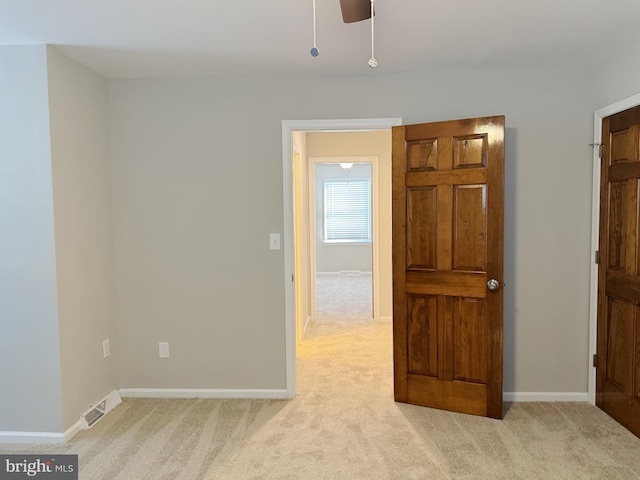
(375, 230)
(288, 127)
(599, 114)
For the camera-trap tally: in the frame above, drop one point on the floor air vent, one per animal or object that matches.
(96, 412)
(93, 415)
(350, 273)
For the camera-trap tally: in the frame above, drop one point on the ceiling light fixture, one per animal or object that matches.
(352, 11)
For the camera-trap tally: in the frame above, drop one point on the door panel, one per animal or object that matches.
(470, 151)
(422, 335)
(447, 243)
(469, 228)
(422, 155)
(618, 342)
(617, 202)
(422, 209)
(470, 356)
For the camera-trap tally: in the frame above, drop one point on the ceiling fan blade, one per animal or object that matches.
(355, 10)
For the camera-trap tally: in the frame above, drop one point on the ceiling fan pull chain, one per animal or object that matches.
(314, 51)
(373, 63)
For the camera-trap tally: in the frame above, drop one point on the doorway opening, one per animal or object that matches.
(304, 137)
(342, 196)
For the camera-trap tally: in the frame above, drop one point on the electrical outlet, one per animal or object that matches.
(106, 348)
(163, 349)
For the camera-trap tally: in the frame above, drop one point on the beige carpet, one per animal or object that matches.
(345, 425)
(341, 298)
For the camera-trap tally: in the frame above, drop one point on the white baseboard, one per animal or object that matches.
(201, 393)
(32, 437)
(112, 401)
(545, 396)
(338, 274)
(41, 437)
(72, 431)
(306, 324)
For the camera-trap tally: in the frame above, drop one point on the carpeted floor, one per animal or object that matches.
(341, 298)
(344, 424)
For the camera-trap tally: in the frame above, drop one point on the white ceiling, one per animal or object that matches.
(152, 38)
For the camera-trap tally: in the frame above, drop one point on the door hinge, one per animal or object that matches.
(597, 257)
(293, 278)
(599, 147)
(595, 360)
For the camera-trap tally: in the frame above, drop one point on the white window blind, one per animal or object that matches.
(347, 210)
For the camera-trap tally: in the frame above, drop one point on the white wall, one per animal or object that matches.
(30, 397)
(197, 172)
(83, 232)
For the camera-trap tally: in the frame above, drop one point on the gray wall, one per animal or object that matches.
(336, 257)
(30, 397)
(197, 182)
(56, 251)
(197, 174)
(619, 77)
(196, 194)
(83, 232)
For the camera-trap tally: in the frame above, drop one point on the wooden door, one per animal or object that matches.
(448, 185)
(618, 343)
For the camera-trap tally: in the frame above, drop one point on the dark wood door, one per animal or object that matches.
(448, 183)
(618, 344)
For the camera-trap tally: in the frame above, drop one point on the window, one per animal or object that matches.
(347, 210)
